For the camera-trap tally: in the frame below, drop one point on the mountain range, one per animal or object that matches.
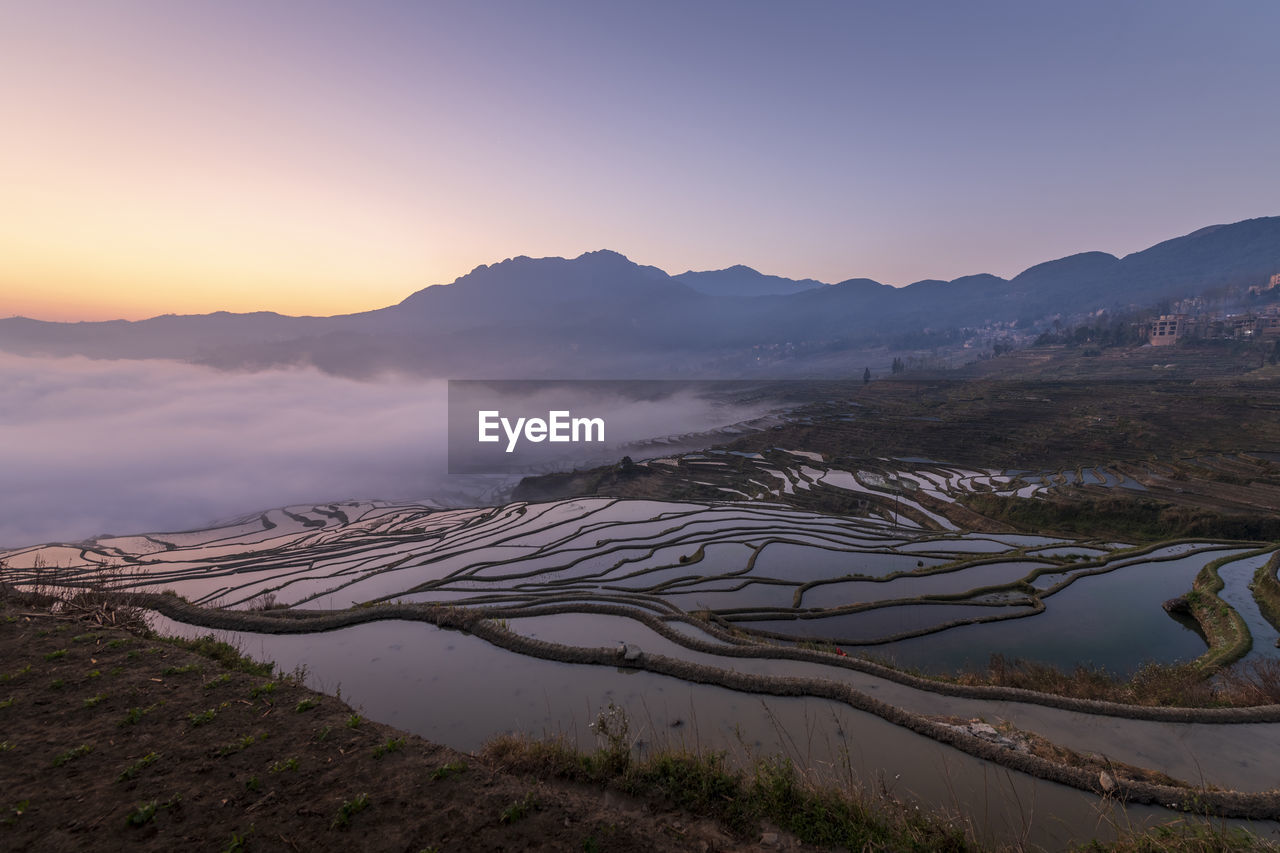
(602, 315)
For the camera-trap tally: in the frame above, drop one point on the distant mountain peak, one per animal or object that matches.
(861, 283)
(603, 255)
(1081, 263)
(741, 280)
(602, 313)
(599, 258)
(1205, 231)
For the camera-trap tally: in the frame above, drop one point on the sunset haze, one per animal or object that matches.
(321, 158)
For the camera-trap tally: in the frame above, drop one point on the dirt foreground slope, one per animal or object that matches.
(111, 741)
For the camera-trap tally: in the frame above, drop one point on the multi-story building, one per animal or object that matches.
(1168, 329)
(1268, 322)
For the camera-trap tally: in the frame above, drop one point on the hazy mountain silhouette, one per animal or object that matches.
(744, 281)
(600, 314)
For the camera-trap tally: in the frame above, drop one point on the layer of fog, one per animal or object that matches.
(93, 447)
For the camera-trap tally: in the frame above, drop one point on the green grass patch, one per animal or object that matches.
(203, 717)
(238, 842)
(283, 765)
(227, 655)
(138, 766)
(444, 771)
(1266, 590)
(16, 811)
(242, 744)
(134, 715)
(95, 701)
(306, 705)
(518, 810)
(1184, 837)
(216, 682)
(72, 754)
(60, 653)
(266, 688)
(348, 810)
(770, 791)
(1228, 635)
(181, 670)
(394, 744)
(10, 676)
(142, 814)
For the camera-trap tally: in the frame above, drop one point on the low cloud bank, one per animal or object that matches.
(92, 447)
(95, 447)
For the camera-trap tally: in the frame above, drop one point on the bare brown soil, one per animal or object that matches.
(112, 741)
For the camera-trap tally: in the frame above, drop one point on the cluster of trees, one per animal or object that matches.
(911, 362)
(1102, 331)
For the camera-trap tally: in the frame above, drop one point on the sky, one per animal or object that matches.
(328, 157)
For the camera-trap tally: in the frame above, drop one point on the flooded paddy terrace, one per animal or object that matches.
(719, 585)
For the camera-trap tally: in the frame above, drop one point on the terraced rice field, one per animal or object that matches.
(904, 583)
(714, 585)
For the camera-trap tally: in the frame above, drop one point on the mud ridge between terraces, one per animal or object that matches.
(1229, 804)
(300, 622)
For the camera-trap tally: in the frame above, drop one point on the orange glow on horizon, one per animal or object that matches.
(70, 294)
(124, 241)
(324, 158)
(72, 302)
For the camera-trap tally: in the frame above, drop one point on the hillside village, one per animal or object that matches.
(1199, 318)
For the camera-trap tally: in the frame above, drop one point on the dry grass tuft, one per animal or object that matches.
(1154, 684)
